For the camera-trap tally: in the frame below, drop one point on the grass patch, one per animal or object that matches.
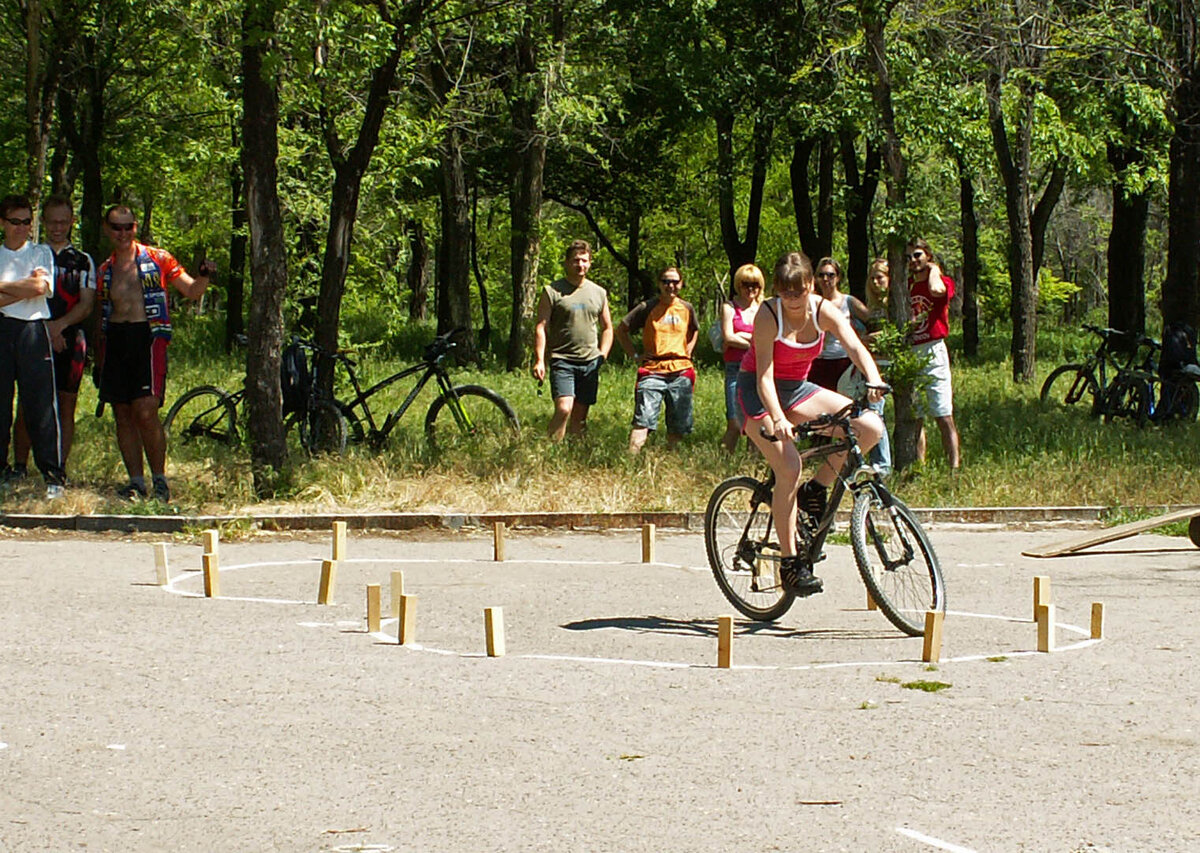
(887, 679)
(926, 686)
(998, 658)
(1015, 452)
(867, 706)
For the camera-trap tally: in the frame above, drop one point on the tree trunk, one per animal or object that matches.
(970, 250)
(860, 195)
(418, 271)
(485, 330)
(635, 278)
(41, 87)
(741, 250)
(814, 223)
(1014, 169)
(268, 259)
(83, 126)
(235, 279)
(874, 17)
(1181, 289)
(1127, 246)
(454, 249)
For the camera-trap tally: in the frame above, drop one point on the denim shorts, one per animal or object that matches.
(648, 397)
(939, 395)
(578, 379)
(792, 392)
(733, 410)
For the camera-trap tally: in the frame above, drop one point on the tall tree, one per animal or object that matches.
(268, 259)
(1181, 289)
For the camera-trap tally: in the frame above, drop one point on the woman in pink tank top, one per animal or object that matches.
(775, 394)
(737, 324)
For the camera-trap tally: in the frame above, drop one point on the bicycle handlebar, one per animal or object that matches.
(841, 417)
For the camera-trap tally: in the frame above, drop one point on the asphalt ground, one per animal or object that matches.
(135, 717)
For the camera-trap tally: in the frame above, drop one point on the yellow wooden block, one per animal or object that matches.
(493, 629)
(1097, 620)
(724, 641)
(339, 540)
(498, 542)
(871, 605)
(408, 620)
(1041, 593)
(374, 603)
(397, 591)
(647, 543)
(1045, 628)
(328, 581)
(931, 651)
(212, 577)
(212, 539)
(160, 565)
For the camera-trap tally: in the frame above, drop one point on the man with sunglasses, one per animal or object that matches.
(131, 364)
(665, 371)
(930, 292)
(26, 355)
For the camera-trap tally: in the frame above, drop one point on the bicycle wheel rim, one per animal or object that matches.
(896, 561)
(204, 416)
(740, 541)
(479, 422)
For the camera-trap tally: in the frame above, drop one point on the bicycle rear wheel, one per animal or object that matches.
(740, 542)
(895, 559)
(205, 415)
(1128, 397)
(321, 429)
(481, 421)
(1071, 384)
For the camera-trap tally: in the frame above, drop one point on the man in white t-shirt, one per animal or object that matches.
(26, 355)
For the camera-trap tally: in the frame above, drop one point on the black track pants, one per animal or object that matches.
(27, 359)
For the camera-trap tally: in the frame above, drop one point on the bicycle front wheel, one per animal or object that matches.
(1071, 384)
(743, 551)
(204, 416)
(322, 429)
(895, 559)
(478, 419)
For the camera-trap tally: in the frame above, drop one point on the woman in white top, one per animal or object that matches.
(834, 360)
(737, 322)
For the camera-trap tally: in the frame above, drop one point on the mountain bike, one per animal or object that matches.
(895, 558)
(460, 415)
(207, 417)
(1087, 381)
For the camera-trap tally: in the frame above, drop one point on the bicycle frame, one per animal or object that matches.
(432, 370)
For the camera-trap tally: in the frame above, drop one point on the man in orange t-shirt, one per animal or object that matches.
(665, 372)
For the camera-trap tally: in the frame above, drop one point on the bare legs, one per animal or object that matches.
(949, 441)
(139, 430)
(569, 417)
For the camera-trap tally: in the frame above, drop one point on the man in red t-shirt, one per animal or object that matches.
(930, 292)
(665, 372)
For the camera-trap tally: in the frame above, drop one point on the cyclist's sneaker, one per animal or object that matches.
(162, 491)
(797, 577)
(813, 499)
(55, 492)
(131, 491)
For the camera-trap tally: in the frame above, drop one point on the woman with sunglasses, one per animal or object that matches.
(775, 394)
(737, 322)
(833, 360)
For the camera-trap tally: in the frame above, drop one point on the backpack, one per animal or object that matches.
(1178, 356)
(294, 379)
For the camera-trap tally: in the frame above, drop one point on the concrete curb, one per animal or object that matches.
(1017, 516)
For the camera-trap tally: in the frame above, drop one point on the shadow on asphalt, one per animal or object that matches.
(708, 628)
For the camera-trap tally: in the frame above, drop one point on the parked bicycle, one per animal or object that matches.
(1087, 382)
(895, 559)
(208, 415)
(459, 415)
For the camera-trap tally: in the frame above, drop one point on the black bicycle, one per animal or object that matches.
(1088, 381)
(208, 416)
(460, 415)
(894, 556)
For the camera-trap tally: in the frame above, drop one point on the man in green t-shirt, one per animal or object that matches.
(574, 323)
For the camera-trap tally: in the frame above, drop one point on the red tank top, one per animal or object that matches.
(792, 359)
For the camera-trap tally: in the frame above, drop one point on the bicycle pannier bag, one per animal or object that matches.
(294, 379)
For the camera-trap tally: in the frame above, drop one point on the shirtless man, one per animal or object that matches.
(131, 288)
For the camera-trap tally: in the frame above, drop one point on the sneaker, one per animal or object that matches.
(55, 492)
(797, 577)
(131, 492)
(162, 491)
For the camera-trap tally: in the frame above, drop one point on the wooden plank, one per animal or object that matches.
(160, 565)
(931, 649)
(373, 608)
(1041, 593)
(1045, 628)
(212, 581)
(328, 581)
(397, 591)
(724, 641)
(493, 629)
(407, 631)
(871, 605)
(339, 540)
(648, 543)
(1097, 620)
(498, 542)
(1112, 534)
(211, 540)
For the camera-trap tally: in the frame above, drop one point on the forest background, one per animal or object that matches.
(370, 172)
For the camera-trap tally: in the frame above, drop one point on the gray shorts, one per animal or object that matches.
(578, 379)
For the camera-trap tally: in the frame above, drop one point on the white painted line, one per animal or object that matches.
(116, 746)
(933, 842)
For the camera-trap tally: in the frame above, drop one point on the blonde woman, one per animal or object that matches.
(775, 395)
(833, 360)
(737, 323)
